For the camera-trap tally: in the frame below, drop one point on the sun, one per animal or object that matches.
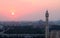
(13, 13)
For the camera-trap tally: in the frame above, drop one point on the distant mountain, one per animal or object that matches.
(38, 23)
(57, 22)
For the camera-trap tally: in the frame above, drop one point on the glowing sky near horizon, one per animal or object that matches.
(28, 10)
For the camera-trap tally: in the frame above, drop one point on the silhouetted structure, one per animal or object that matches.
(47, 26)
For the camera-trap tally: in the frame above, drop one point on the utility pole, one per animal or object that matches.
(47, 25)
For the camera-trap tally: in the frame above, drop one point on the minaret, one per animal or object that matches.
(47, 25)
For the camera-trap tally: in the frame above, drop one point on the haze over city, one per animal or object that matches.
(29, 10)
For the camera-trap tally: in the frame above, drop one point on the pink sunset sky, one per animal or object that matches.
(29, 10)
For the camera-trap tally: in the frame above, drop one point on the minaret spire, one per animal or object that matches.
(47, 25)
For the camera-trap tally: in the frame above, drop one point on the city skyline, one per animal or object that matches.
(29, 10)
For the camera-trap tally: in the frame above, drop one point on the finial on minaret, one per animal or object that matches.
(47, 14)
